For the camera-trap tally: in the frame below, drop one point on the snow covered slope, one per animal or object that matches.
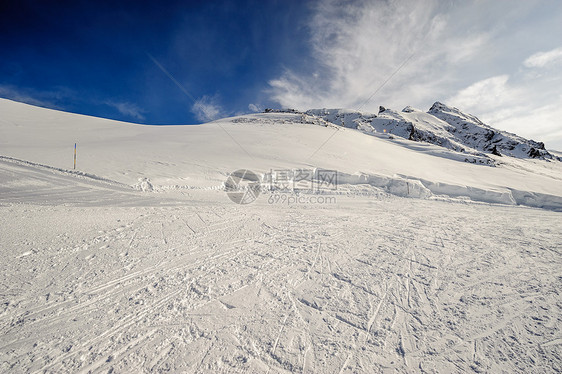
(471, 131)
(202, 156)
(441, 125)
(99, 277)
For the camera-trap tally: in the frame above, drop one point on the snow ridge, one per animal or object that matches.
(442, 125)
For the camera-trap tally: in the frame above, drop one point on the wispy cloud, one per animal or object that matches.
(468, 54)
(487, 94)
(56, 99)
(46, 99)
(207, 108)
(542, 59)
(515, 105)
(254, 107)
(357, 46)
(127, 109)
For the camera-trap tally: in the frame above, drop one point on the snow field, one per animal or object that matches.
(139, 262)
(201, 157)
(367, 285)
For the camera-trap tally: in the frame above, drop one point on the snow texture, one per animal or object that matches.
(442, 125)
(138, 261)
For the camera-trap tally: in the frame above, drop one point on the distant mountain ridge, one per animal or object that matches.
(442, 125)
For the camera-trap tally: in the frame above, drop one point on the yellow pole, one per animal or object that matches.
(74, 156)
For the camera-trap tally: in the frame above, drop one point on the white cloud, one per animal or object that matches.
(127, 109)
(206, 108)
(360, 46)
(486, 94)
(512, 106)
(542, 59)
(409, 52)
(254, 108)
(541, 124)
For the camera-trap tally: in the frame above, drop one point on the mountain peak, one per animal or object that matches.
(410, 109)
(440, 107)
(442, 125)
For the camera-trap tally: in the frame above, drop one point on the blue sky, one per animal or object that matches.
(94, 57)
(187, 62)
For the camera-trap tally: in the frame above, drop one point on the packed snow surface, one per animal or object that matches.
(137, 261)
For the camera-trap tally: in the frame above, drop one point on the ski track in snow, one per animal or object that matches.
(98, 278)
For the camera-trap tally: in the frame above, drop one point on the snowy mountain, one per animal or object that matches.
(166, 158)
(443, 126)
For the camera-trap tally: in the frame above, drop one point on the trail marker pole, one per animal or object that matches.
(74, 156)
